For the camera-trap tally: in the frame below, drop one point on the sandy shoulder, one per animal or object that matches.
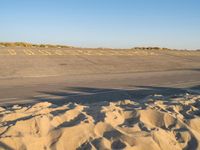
(156, 122)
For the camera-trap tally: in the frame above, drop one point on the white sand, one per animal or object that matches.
(155, 123)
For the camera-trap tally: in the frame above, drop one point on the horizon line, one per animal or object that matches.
(30, 44)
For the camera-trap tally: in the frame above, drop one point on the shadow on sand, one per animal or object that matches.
(84, 95)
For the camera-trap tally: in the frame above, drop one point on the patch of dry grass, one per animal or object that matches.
(24, 44)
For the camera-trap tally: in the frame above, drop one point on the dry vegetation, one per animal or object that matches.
(23, 44)
(30, 45)
(151, 48)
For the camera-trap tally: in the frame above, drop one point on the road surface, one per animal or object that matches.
(29, 75)
(96, 87)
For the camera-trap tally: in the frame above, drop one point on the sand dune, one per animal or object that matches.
(156, 122)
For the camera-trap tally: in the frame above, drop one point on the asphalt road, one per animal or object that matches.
(29, 75)
(97, 87)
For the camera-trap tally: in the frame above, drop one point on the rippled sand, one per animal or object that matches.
(155, 122)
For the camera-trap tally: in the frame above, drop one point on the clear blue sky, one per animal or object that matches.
(102, 23)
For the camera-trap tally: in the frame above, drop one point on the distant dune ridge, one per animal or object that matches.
(153, 123)
(25, 44)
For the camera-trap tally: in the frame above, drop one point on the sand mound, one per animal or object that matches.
(154, 123)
